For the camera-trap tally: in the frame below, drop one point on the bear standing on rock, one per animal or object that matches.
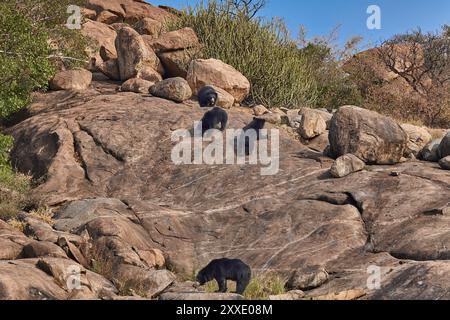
(222, 270)
(207, 98)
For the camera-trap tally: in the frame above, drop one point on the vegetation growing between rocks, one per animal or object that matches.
(14, 187)
(34, 42)
(259, 288)
(419, 89)
(261, 50)
(283, 72)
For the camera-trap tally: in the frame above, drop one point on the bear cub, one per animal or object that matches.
(222, 270)
(217, 118)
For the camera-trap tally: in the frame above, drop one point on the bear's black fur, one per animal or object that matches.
(222, 270)
(257, 124)
(213, 118)
(207, 97)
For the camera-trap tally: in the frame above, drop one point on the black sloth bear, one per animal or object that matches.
(207, 97)
(222, 270)
(257, 125)
(213, 118)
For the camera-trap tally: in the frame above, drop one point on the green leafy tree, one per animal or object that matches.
(24, 64)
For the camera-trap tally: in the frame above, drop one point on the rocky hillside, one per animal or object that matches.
(350, 194)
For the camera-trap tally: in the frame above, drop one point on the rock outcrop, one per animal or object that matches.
(106, 157)
(431, 151)
(133, 54)
(312, 124)
(136, 85)
(418, 138)
(129, 223)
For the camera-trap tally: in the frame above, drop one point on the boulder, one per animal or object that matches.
(88, 13)
(93, 285)
(215, 72)
(308, 279)
(260, 110)
(149, 74)
(272, 117)
(150, 27)
(129, 10)
(431, 151)
(136, 85)
(147, 283)
(106, 55)
(175, 63)
(444, 147)
(346, 165)
(107, 17)
(319, 143)
(133, 54)
(445, 163)
(77, 80)
(110, 69)
(312, 123)
(175, 89)
(225, 100)
(175, 40)
(418, 138)
(294, 118)
(101, 34)
(373, 138)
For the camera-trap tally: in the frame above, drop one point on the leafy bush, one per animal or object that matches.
(33, 38)
(262, 50)
(24, 65)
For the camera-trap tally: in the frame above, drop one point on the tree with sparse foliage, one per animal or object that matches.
(422, 60)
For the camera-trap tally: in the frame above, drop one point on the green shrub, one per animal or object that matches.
(33, 38)
(24, 65)
(263, 51)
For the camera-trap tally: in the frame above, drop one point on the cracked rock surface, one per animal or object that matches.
(104, 159)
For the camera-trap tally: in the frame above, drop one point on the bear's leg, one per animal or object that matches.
(222, 285)
(242, 284)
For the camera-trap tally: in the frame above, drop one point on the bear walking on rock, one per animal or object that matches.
(222, 270)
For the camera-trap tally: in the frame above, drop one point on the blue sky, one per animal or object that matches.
(321, 16)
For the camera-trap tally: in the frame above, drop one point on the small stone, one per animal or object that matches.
(346, 165)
